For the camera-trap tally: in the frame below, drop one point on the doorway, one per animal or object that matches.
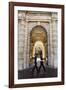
(38, 42)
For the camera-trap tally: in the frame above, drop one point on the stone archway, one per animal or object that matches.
(37, 47)
(38, 38)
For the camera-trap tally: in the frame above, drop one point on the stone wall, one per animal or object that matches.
(27, 21)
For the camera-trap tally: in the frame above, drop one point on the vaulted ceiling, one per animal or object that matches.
(38, 34)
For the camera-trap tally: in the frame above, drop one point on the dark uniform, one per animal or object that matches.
(41, 62)
(35, 66)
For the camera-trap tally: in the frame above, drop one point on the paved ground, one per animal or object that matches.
(27, 73)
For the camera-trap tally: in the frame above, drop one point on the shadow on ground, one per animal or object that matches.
(27, 73)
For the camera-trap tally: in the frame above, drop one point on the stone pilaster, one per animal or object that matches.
(53, 42)
(21, 44)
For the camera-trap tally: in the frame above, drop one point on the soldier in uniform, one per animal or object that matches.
(35, 62)
(41, 62)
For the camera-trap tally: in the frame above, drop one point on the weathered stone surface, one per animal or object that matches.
(27, 21)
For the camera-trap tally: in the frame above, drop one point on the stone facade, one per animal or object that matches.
(27, 20)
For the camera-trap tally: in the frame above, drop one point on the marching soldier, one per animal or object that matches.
(41, 62)
(35, 62)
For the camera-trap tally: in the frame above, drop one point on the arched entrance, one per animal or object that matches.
(38, 42)
(38, 46)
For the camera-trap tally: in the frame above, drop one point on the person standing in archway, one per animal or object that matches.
(41, 62)
(35, 62)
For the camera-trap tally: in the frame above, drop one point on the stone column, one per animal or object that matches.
(25, 46)
(28, 46)
(50, 61)
(53, 42)
(49, 42)
(21, 44)
(23, 40)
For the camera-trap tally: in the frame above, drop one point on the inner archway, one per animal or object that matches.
(38, 41)
(38, 46)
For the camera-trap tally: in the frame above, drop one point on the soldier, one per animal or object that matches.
(35, 62)
(41, 62)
